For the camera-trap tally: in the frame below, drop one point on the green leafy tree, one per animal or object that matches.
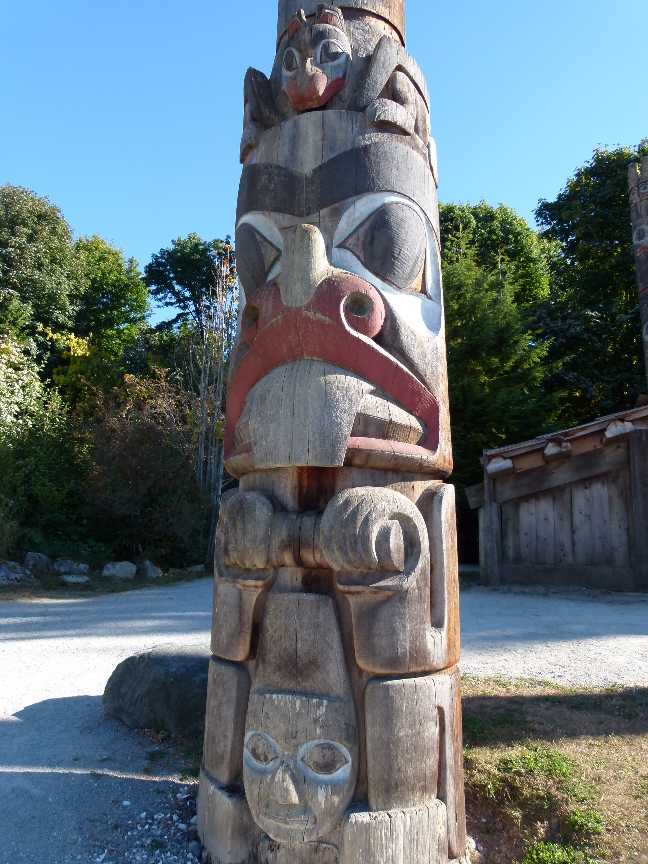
(198, 278)
(591, 319)
(40, 275)
(494, 273)
(115, 298)
(495, 368)
(184, 277)
(499, 242)
(42, 460)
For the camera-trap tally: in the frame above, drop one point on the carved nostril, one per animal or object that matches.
(250, 322)
(365, 312)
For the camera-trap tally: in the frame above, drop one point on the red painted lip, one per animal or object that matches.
(319, 331)
(317, 92)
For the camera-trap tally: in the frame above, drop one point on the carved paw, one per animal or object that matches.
(373, 529)
(244, 530)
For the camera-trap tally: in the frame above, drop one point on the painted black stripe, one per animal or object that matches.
(383, 166)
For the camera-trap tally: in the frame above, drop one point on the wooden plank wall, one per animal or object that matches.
(577, 533)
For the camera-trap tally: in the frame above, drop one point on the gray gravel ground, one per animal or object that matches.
(67, 770)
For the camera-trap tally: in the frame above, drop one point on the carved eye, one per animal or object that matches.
(325, 758)
(290, 61)
(329, 51)
(261, 753)
(255, 256)
(391, 243)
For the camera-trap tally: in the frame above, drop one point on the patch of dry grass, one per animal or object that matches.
(556, 775)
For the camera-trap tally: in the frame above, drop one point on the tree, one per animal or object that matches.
(495, 369)
(198, 277)
(591, 321)
(115, 298)
(499, 242)
(494, 274)
(40, 279)
(183, 276)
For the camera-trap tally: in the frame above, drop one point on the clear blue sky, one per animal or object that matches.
(128, 114)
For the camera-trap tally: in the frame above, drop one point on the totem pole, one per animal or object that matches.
(639, 203)
(333, 727)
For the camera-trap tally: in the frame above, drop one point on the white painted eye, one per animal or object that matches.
(290, 60)
(325, 762)
(422, 312)
(260, 753)
(329, 51)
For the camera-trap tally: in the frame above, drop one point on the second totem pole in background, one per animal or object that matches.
(333, 729)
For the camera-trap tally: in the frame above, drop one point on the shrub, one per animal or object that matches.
(142, 495)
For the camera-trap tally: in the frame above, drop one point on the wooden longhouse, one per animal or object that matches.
(568, 509)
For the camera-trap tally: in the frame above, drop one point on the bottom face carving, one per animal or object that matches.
(300, 755)
(299, 764)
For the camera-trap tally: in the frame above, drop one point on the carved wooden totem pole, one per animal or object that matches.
(333, 729)
(639, 205)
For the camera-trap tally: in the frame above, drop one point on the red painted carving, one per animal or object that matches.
(330, 18)
(320, 331)
(316, 92)
(295, 25)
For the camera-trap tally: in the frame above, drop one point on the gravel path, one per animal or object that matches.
(67, 771)
(569, 637)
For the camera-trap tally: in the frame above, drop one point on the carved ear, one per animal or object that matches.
(258, 93)
(297, 22)
(329, 15)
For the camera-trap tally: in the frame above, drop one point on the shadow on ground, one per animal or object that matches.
(66, 770)
(505, 718)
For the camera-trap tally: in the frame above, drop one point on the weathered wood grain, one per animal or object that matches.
(611, 458)
(639, 475)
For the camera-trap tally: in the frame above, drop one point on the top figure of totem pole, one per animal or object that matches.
(638, 177)
(333, 728)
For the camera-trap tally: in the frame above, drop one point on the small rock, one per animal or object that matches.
(197, 568)
(39, 565)
(70, 568)
(13, 574)
(69, 579)
(194, 849)
(119, 570)
(194, 820)
(126, 803)
(148, 570)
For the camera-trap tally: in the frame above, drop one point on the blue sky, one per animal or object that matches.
(128, 114)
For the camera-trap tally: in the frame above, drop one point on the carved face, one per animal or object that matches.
(299, 764)
(315, 62)
(338, 255)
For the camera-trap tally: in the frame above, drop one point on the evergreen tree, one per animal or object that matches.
(590, 321)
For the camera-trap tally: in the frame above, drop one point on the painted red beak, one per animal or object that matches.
(315, 94)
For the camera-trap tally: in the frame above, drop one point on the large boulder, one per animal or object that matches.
(119, 570)
(165, 687)
(39, 565)
(148, 570)
(13, 574)
(66, 567)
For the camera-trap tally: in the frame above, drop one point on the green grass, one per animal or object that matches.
(537, 762)
(553, 853)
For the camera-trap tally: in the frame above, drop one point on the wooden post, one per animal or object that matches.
(333, 725)
(490, 536)
(639, 480)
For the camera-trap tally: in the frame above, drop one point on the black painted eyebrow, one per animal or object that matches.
(379, 167)
(324, 36)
